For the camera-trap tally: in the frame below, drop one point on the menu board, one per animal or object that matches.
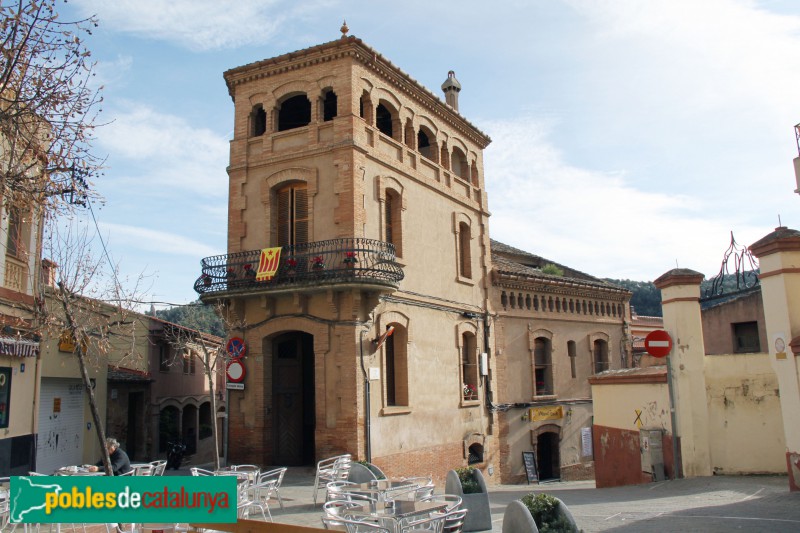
(529, 462)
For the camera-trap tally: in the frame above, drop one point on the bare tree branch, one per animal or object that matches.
(48, 108)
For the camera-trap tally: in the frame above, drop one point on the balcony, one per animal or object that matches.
(357, 263)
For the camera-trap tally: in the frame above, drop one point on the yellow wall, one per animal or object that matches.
(617, 406)
(23, 389)
(743, 402)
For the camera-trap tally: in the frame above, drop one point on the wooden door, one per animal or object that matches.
(290, 399)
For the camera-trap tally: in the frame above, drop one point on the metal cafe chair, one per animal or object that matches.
(159, 467)
(331, 469)
(433, 523)
(276, 474)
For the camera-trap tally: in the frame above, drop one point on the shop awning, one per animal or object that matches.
(18, 347)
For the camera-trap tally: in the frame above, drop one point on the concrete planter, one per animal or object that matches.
(479, 516)
(360, 473)
(518, 519)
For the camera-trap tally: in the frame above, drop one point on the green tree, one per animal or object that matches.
(197, 316)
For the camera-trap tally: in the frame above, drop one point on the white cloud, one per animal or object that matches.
(595, 221)
(169, 152)
(160, 242)
(196, 24)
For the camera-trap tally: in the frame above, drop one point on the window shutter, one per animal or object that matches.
(300, 216)
(389, 228)
(284, 217)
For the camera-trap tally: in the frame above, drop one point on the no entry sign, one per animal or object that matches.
(235, 371)
(658, 343)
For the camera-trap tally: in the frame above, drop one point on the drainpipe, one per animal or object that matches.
(367, 428)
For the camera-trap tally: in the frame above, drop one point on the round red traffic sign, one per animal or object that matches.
(235, 371)
(236, 347)
(658, 343)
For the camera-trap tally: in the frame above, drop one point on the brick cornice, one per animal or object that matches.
(359, 51)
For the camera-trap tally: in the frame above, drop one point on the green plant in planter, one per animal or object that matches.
(544, 509)
(468, 482)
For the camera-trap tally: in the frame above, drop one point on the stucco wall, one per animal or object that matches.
(743, 402)
(718, 323)
(632, 406)
(22, 405)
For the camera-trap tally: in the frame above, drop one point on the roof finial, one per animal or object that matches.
(344, 29)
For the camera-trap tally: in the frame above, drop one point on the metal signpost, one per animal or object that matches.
(658, 343)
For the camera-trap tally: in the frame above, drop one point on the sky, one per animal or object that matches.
(628, 138)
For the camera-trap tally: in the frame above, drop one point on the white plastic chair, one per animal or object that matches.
(332, 469)
(200, 472)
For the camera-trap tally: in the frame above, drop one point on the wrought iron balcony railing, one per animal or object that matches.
(364, 261)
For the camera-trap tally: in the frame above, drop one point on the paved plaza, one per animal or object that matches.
(714, 504)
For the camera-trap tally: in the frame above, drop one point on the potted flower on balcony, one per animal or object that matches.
(318, 265)
(470, 392)
(249, 273)
(231, 273)
(206, 280)
(350, 259)
(291, 267)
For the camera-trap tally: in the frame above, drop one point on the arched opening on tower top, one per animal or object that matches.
(295, 112)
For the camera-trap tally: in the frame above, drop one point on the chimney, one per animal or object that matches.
(451, 88)
(49, 272)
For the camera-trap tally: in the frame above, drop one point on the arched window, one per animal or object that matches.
(294, 112)
(543, 368)
(205, 420)
(383, 120)
(469, 366)
(600, 354)
(392, 220)
(459, 164)
(464, 251)
(258, 121)
(329, 106)
(426, 143)
(292, 215)
(396, 367)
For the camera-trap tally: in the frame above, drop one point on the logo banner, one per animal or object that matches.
(122, 499)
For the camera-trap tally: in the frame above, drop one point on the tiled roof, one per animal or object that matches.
(506, 266)
(632, 375)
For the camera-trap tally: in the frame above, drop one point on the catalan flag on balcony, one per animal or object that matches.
(268, 264)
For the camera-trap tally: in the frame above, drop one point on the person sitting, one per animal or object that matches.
(120, 464)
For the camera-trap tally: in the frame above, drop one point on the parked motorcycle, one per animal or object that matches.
(175, 455)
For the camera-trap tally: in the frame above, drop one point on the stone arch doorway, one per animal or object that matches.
(293, 398)
(548, 456)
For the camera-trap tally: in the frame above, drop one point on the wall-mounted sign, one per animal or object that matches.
(780, 346)
(236, 347)
(658, 343)
(550, 412)
(235, 371)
